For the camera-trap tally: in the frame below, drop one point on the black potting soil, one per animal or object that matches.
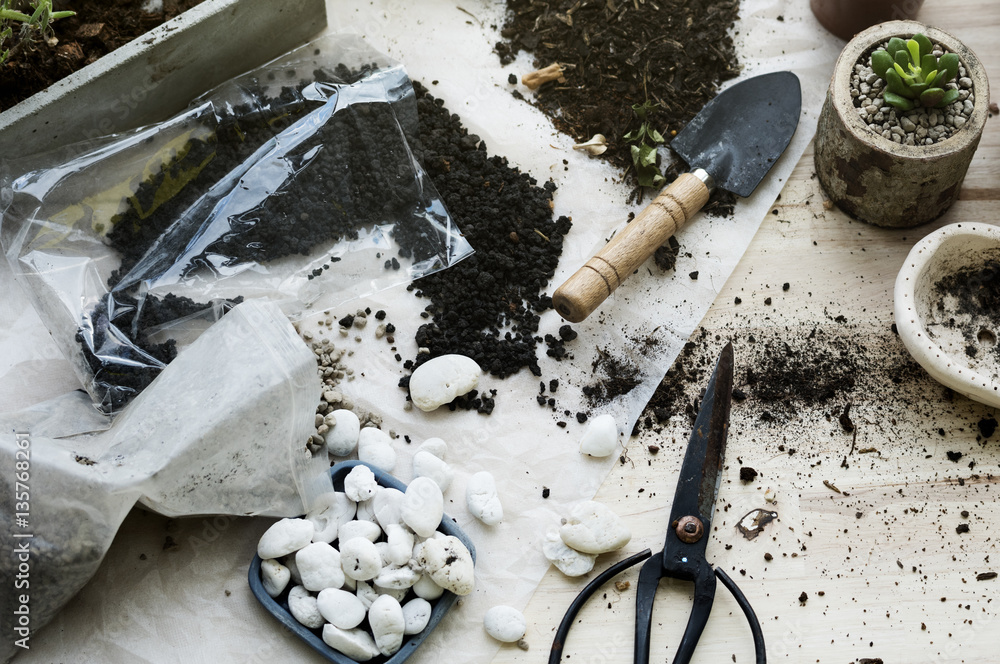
(114, 338)
(487, 306)
(616, 54)
(353, 170)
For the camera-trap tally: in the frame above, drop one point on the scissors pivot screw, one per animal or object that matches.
(689, 529)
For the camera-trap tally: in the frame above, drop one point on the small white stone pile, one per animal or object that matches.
(920, 126)
(366, 564)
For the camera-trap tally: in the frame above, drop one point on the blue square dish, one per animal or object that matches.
(278, 606)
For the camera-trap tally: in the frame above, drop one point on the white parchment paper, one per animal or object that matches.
(190, 602)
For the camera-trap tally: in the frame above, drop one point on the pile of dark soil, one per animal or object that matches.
(98, 28)
(354, 170)
(619, 53)
(487, 306)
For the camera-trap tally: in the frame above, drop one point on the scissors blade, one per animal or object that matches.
(701, 472)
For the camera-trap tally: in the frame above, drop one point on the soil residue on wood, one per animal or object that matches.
(97, 29)
(781, 373)
(616, 54)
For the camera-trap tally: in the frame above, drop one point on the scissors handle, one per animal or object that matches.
(704, 597)
(741, 599)
(649, 578)
(555, 654)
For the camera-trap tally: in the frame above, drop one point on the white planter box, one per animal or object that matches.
(157, 74)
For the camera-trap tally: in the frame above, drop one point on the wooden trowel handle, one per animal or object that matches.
(630, 247)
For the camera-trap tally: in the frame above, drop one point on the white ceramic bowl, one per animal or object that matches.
(938, 312)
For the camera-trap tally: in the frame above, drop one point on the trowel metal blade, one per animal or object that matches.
(739, 134)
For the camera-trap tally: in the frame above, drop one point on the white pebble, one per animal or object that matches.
(341, 608)
(289, 562)
(568, 561)
(342, 437)
(959, 122)
(416, 615)
(449, 563)
(435, 446)
(319, 566)
(387, 505)
(360, 559)
(367, 529)
(505, 624)
(601, 437)
(396, 577)
(303, 608)
(274, 576)
(387, 622)
(366, 509)
(284, 537)
(396, 593)
(383, 553)
(400, 544)
(375, 448)
(593, 528)
(438, 381)
(360, 483)
(366, 593)
(426, 588)
(423, 506)
(428, 465)
(482, 500)
(355, 643)
(331, 511)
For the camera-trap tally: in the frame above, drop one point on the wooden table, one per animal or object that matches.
(886, 574)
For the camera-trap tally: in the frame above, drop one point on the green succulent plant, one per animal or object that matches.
(913, 75)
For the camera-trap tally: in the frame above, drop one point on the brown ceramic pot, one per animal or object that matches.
(846, 18)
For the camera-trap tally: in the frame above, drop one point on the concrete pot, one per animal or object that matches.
(955, 343)
(156, 75)
(876, 180)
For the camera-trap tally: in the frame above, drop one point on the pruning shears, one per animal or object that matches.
(683, 555)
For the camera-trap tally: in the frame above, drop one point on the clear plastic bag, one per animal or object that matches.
(294, 183)
(222, 430)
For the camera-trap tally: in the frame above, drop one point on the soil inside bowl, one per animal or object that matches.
(970, 299)
(98, 28)
(672, 52)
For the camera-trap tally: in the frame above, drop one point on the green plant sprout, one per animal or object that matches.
(645, 139)
(36, 23)
(913, 75)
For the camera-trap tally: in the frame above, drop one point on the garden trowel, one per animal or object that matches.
(731, 144)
